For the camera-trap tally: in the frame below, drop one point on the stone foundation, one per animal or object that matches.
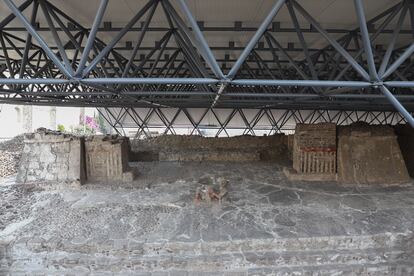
(107, 159)
(370, 155)
(50, 156)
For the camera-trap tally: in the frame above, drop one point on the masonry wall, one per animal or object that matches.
(370, 155)
(196, 148)
(51, 157)
(107, 158)
(314, 149)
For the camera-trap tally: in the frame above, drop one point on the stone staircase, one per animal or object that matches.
(381, 254)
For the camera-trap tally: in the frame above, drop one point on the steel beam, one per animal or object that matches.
(407, 53)
(149, 81)
(397, 105)
(208, 55)
(38, 38)
(259, 33)
(333, 42)
(91, 37)
(115, 40)
(183, 79)
(359, 6)
(308, 83)
(391, 44)
(10, 17)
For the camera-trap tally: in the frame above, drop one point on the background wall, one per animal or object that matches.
(18, 119)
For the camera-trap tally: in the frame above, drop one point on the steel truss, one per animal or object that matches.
(366, 69)
(142, 122)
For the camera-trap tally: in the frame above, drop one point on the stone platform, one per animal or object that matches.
(370, 155)
(152, 226)
(52, 157)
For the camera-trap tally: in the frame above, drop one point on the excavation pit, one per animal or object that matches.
(266, 225)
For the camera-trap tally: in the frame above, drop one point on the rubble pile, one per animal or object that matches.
(10, 154)
(211, 189)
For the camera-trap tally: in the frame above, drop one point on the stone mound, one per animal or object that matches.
(14, 145)
(10, 154)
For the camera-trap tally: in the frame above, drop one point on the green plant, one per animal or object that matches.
(61, 128)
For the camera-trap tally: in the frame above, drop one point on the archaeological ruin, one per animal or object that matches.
(99, 189)
(106, 159)
(51, 157)
(370, 155)
(207, 138)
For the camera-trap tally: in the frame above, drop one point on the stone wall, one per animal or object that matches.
(370, 155)
(209, 155)
(314, 149)
(196, 148)
(107, 158)
(51, 157)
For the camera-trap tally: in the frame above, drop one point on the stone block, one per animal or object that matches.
(50, 156)
(314, 149)
(107, 159)
(370, 155)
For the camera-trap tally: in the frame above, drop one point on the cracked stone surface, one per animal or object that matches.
(267, 226)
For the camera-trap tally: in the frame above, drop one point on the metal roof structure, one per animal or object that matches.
(228, 54)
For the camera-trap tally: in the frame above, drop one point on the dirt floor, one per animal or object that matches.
(266, 225)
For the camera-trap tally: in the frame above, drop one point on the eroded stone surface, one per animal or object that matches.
(107, 158)
(197, 148)
(314, 149)
(370, 155)
(50, 156)
(267, 226)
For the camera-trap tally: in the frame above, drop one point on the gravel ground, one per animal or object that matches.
(10, 153)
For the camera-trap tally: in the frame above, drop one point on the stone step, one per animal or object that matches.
(61, 263)
(249, 259)
(118, 248)
(372, 270)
